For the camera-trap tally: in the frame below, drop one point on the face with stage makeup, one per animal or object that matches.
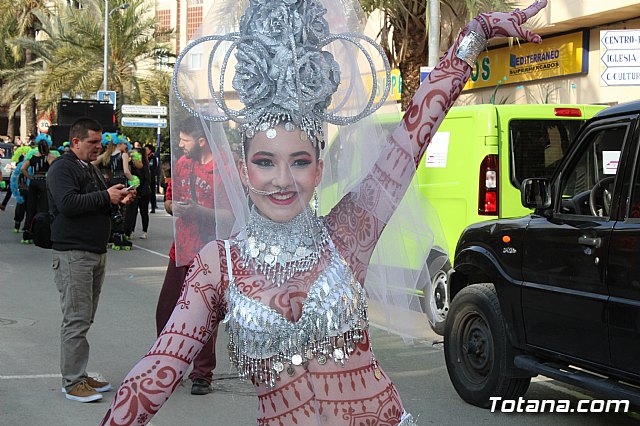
(281, 173)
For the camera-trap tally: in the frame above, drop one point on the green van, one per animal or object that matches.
(474, 166)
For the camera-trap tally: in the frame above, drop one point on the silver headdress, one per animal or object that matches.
(282, 74)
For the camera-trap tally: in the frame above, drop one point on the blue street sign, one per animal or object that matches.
(107, 95)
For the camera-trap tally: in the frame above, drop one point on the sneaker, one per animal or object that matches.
(96, 384)
(82, 392)
(2, 207)
(143, 236)
(201, 387)
(99, 385)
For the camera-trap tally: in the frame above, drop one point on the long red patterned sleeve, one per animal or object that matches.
(154, 378)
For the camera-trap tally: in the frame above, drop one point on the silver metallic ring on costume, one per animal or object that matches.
(470, 47)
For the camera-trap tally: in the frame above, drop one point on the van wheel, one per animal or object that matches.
(436, 301)
(477, 351)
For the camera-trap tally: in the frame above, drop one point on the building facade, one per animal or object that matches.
(590, 54)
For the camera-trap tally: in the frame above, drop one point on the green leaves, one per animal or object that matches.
(67, 54)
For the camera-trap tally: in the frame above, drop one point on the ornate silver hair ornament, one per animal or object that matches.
(283, 77)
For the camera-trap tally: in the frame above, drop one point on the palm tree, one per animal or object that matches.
(404, 31)
(7, 61)
(69, 59)
(17, 20)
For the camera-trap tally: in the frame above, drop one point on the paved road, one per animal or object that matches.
(124, 329)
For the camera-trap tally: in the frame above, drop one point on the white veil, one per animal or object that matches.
(205, 71)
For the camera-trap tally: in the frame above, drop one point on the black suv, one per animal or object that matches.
(557, 292)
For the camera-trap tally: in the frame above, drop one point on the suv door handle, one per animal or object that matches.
(588, 241)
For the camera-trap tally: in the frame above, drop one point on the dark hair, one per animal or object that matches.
(192, 126)
(43, 147)
(151, 147)
(145, 159)
(80, 128)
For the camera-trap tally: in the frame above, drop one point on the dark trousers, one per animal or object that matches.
(118, 226)
(21, 208)
(139, 204)
(130, 217)
(7, 197)
(37, 202)
(205, 362)
(153, 183)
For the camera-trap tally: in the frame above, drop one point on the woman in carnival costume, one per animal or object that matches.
(19, 187)
(288, 284)
(116, 160)
(139, 167)
(34, 168)
(17, 158)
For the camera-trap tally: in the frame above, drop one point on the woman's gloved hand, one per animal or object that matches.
(135, 182)
(508, 24)
(136, 156)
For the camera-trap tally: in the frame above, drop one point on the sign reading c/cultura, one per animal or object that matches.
(556, 56)
(620, 58)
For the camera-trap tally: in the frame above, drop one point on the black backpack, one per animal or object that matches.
(41, 230)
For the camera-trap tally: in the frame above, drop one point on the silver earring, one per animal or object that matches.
(315, 202)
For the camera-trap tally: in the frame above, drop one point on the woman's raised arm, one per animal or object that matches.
(379, 194)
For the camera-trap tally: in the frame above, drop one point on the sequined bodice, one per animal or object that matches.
(115, 164)
(263, 342)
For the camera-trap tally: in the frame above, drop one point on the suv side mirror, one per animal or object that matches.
(535, 193)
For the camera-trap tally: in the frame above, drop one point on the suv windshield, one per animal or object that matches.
(537, 146)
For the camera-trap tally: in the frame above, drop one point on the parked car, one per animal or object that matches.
(6, 165)
(473, 169)
(556, 292)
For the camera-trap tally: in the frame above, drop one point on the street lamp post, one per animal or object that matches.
(108, 13)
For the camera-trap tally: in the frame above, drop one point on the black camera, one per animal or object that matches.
(116, 216)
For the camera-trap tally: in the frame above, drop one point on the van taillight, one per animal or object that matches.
(488, 186)
(567, 112)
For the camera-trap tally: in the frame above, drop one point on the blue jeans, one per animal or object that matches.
(78, 276)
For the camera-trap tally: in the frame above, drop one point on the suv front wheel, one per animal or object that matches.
(477, 351)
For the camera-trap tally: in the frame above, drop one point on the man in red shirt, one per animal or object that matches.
(186, 197)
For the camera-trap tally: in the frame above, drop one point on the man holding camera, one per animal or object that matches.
(80, 204)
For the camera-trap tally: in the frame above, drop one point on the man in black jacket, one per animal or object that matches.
(81, 204)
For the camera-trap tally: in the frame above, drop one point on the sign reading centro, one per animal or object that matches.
(555, 56)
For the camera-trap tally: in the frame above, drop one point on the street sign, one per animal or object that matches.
(43, 124)
(144, 109)
(620, 60)
(108, 96)
(620, 76)
(620, 39)
(424, 73)
(143, 122)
